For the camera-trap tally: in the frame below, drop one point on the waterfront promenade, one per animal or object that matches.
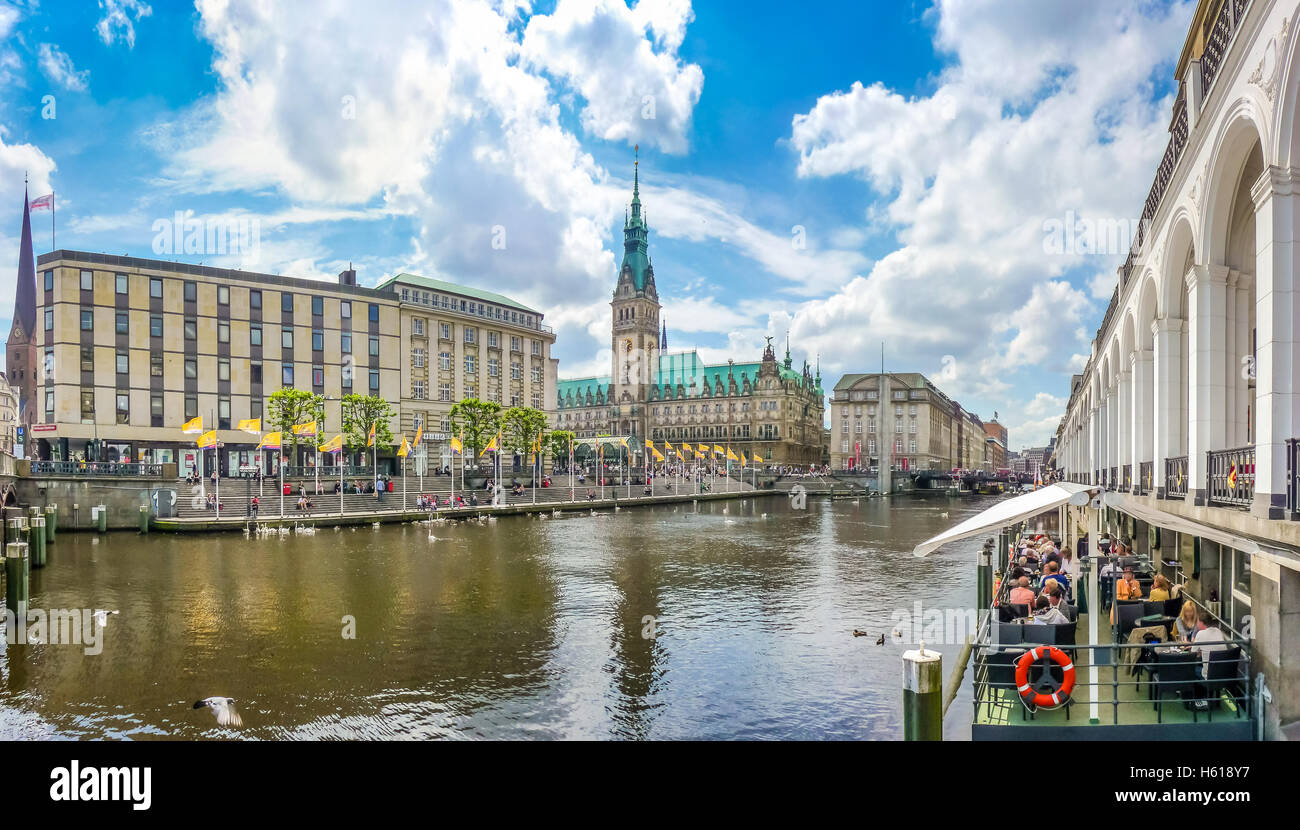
(363, 508)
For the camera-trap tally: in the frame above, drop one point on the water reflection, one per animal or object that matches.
(518, 628)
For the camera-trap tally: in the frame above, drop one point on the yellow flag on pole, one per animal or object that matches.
(731, 456)
(650, 445)
(270, 441)
(370, 439)
(658, 455)
(419, 433)
(207, 439)
(758, 459)
(491, 447)
(253, 425)
(405, 449)
(456, 447)
(335, 444)
(702, 449)
(717, 450)
(193, 426)
(308, 429)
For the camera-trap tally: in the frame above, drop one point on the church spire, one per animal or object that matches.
(25, 295)
(663, 338)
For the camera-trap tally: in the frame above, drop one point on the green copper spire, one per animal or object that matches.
(636, 236)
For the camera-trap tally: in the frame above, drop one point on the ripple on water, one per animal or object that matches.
(678, 622)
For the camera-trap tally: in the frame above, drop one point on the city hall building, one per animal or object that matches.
(763, 406)
(115, 353)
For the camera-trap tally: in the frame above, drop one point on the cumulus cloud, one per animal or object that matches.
(1043, 108)
(118, 18)
(631, 91)
(58, 67)
(461, 123)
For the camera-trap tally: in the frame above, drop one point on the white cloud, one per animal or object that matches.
(118, 18)
(58, 67)
(1044, 108)
(632, 92)
(1034, 423)
(459, 123)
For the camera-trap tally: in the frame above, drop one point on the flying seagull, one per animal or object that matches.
(223, 708)
(101, 617)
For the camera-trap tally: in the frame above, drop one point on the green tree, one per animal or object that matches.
(475, 422)
(359, 412)
(558, 446)
(288, 406)
(521, 426)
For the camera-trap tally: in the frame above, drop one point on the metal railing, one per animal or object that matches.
(1176, 474)
(96, 468)
(1230, 476)
(308, 471)
(1145, 473)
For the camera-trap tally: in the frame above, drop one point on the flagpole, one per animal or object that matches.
(279, 457)
(403, 479)
(341, 487)
(53, 246)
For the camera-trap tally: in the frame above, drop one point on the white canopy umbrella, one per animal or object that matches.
(1006, 512)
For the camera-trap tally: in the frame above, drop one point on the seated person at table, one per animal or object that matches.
(1208, 639)
(1128, 587)
(1053, 574)
(1053, 556)
(1045, 612)
(1022, 594)
(1187, 623)
(1054, 592)
(1159, 589)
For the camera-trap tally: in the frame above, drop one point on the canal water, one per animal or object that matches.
(520, 628)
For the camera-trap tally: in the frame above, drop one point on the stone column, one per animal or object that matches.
(1277, 352)
(1207, 299)
(1169, 420)
(1141, 427)
(1124, 418)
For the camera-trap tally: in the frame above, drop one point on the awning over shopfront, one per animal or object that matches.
(1140, 509)
(1006, 512)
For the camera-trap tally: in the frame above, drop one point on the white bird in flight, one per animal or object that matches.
(223, 708)
(101, 617)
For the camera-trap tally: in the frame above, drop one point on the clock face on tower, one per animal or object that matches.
(19, 334)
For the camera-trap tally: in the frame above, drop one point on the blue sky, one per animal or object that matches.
(845, 173)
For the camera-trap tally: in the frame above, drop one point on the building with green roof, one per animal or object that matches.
(765, 407)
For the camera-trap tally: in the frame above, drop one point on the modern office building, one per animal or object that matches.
(130, 349)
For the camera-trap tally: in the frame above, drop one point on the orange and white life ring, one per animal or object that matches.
(1044, 700)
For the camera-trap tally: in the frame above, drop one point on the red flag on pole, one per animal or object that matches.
(45, 202)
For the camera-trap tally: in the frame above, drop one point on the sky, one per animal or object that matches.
(918, 174)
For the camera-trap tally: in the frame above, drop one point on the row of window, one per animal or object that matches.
(471, 365)
(191, 294)
(122, 325)
(435, 300)
(191, 401)
(846, 447)
(874, 395)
